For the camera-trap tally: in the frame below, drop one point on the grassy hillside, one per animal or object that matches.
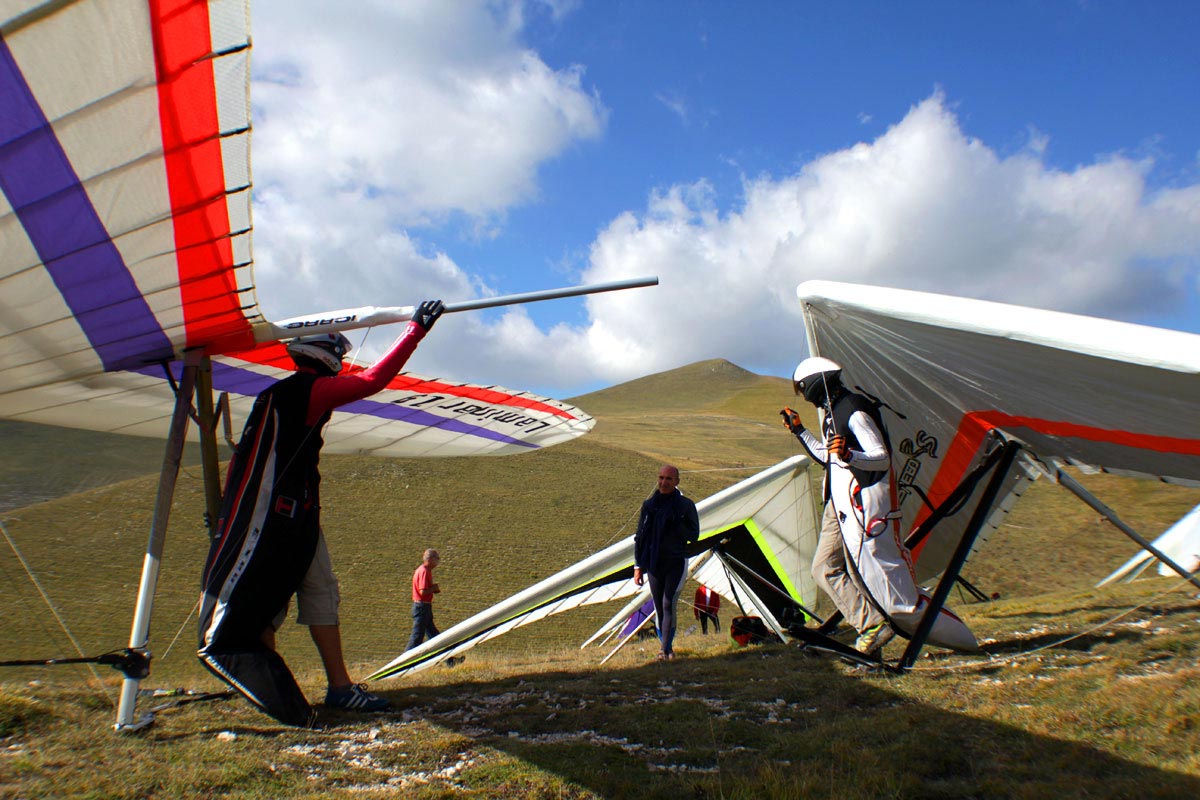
(1112, 713)
(1115, 712)
(41, 462)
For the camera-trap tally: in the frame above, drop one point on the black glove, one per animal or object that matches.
(792, 420)
(427, 313)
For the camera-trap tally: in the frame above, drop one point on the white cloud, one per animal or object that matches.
(373, 117)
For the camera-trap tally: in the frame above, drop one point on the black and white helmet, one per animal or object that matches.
(816, 378)
(324, 348)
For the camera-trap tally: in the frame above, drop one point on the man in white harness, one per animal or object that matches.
(859, 504)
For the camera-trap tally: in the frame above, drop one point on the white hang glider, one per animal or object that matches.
(126, 286)
(980, 398)
(756, 544)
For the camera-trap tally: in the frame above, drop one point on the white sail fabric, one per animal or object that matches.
(1073, 390)
(768, 522)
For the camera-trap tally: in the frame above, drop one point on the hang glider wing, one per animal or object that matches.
(124, 162)
(1180, 542)
(1072, 390)
(125, 220)
(764, 528)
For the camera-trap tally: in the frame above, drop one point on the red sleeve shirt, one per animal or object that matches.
(329, 392)
(423, 585)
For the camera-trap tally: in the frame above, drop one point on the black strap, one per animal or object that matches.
(134, 663)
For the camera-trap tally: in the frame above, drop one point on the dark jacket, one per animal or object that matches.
(667, 524)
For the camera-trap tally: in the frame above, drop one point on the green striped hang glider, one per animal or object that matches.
(756, 545)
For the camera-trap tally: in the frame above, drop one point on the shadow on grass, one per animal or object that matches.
(772, 722)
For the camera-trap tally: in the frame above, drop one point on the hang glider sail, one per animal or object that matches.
(760, 534)
(124, 163)
(980, 398)
(1073, 390)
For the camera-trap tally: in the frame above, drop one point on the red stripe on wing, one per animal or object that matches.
(975, 425)
(274, 354)
(195, 172)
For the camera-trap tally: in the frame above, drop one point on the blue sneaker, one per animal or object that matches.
(355, 697)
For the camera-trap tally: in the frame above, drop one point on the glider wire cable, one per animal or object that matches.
(1017, 657)
(83, 659)
(179, 632)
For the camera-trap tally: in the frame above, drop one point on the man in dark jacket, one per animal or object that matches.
(667, 524)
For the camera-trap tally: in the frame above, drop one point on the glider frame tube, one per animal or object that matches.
(370, 316)
(1074, 487)
(1003, 465)
(139, 634)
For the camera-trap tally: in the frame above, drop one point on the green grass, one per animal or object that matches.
(1112, 712)
(41, 462)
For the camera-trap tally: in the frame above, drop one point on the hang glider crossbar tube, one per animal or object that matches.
(356, 318)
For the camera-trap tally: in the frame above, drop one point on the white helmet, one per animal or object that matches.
(324, 348)
(815, 377)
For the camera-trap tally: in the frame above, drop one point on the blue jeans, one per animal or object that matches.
(423, 627)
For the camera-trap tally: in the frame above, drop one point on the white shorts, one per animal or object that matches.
(317, 598)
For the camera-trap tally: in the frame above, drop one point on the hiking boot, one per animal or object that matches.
(355, 697)
(874, 638)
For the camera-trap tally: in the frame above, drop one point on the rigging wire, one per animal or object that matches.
(726, 469)
(1017, 657)
(362, 343)
(179, 632)
(57, 616)
(624, 525)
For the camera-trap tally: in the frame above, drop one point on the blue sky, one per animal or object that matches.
(1045, 154)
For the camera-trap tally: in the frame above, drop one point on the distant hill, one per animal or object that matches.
(678, 389)
(711, 414)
